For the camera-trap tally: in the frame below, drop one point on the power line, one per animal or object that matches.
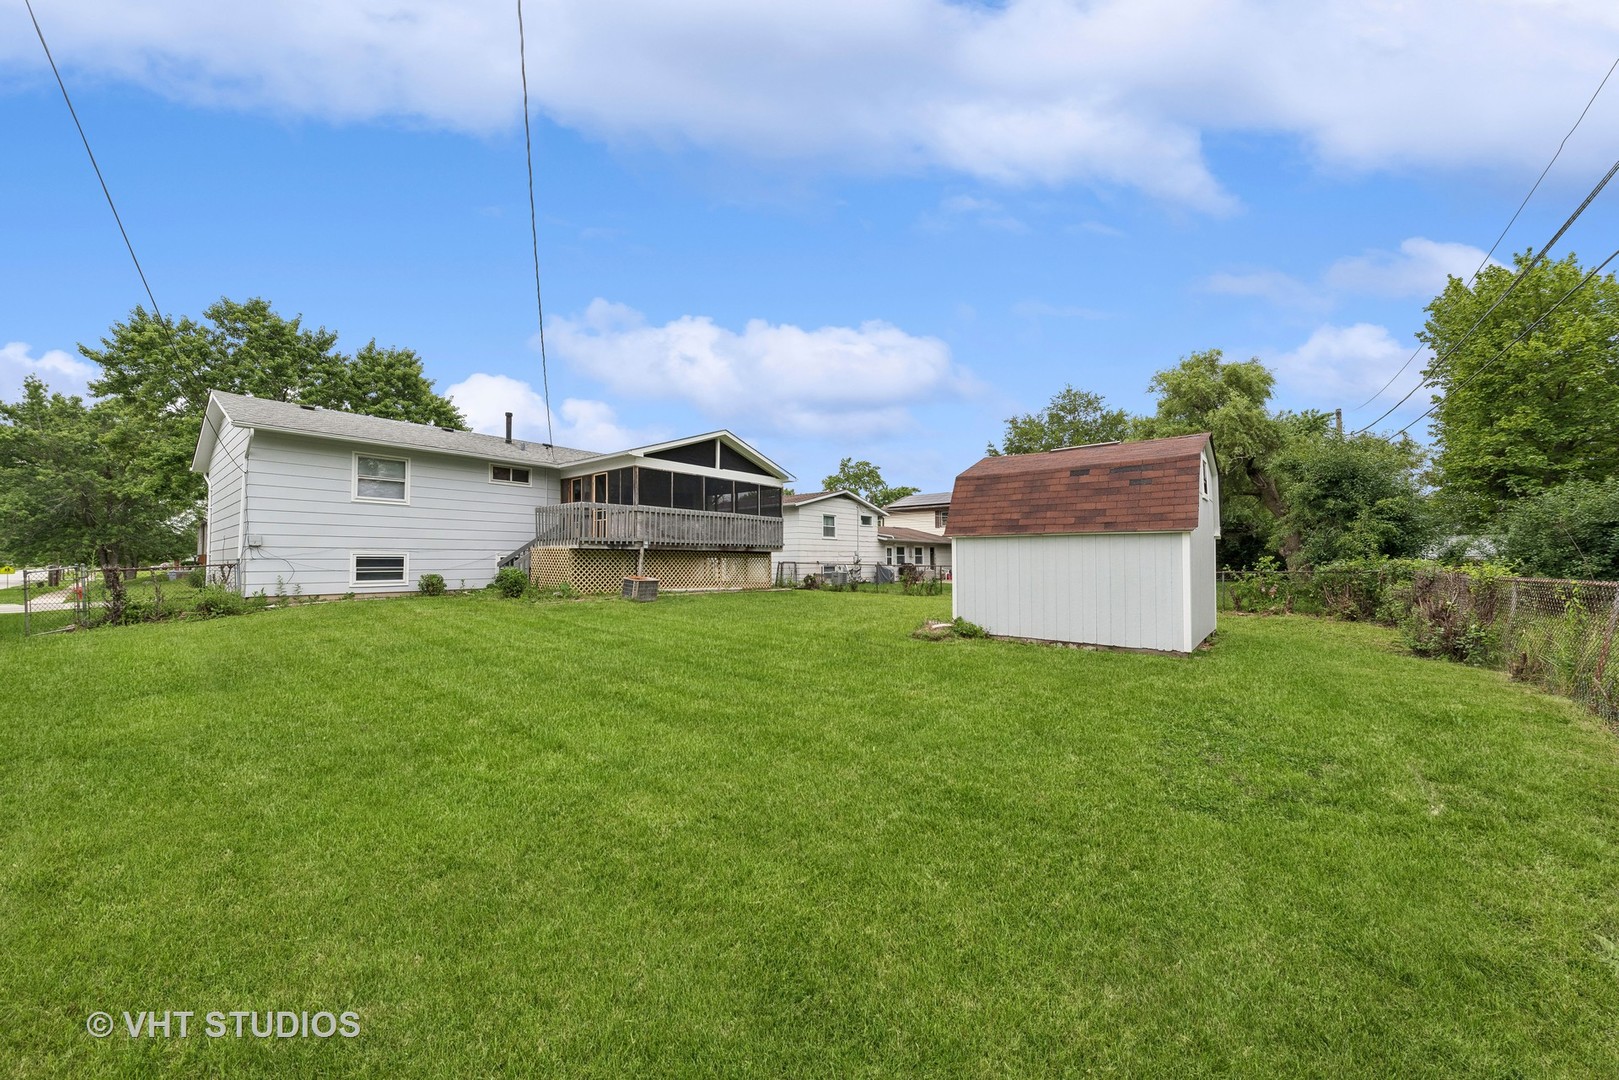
(156, 310)
(534, 223)
(1586, 280)
(1485, 261)
(1521, 275)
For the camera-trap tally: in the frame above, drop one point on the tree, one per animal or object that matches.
(1205, 392)
(1072, 418)
(866, 480)
(84, 484)
(165, 372)
(1542, 413)
(1355, 497)
(1568, 531)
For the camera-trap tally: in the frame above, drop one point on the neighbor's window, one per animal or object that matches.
(829, 525)
(507, 474)
(918, 553)
(380, 478)
(865, 519)
(941, 518)
(379, 570)
(890, 553)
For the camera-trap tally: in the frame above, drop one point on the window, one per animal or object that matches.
(941, 518)
(688, 491)
(899, 555)
(508, 474)
(1205, 480)
(747, 497)
(381, 479)
(829, 525)
(918, 553)
(889, 553)
(378, 569)
(719, 496)
(865, 519)
(769, 501)
(657, 487)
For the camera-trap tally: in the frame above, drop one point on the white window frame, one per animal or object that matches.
(528, 475)
(889, 552)
(918, 553)
(1205, 471)
(354, 471)
(354, 569)
(865, 519)
(829, 526)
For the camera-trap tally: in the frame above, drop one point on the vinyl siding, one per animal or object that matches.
(921, 520)
(457, 523)
(1202, 584)
(225, 491)
(1124, 590)
(802, 542)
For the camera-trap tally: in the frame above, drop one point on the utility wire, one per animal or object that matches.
(1527, 267)
(156, 310)
(534, 223)
(1586, 280)
(1485, 261)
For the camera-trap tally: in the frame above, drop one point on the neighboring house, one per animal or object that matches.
(326, 502)
(915, 530)
(1105, 545)
(827, 529)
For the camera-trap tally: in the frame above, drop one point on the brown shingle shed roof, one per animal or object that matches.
(1147, 486)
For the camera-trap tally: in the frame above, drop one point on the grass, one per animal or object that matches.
(771, 835)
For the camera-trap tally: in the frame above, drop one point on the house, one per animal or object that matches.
(827, 530)
(1110, 544)
(915, 531)
(324, 502)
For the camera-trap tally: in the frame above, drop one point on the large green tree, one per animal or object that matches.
(1542, 413)
(1231, 400)
(1355, 497)
(866, 480)
(85, 483)
(1568, 531)
(1072, 417)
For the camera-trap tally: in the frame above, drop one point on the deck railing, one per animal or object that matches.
(611, 525)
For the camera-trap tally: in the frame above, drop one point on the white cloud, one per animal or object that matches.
(1112, 92)
(1281, 289)
(1342, 366)
(1420, 268)
(985, 212)
(62, 372)
(577, 423)
(836, 380)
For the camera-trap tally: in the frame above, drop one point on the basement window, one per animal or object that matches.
(508, 474)
(377, 568)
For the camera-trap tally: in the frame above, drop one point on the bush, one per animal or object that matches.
(966, 629)
(197, 577)
(431, 584)
(510, 582)
(216, 600)
(1452, 613)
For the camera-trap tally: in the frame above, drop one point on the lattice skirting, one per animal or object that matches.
(605, 571)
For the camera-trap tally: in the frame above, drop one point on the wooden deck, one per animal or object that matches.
(608, 525)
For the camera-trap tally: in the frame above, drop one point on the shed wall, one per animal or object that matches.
(1202, 583)
(457, 523)
(1124, 590)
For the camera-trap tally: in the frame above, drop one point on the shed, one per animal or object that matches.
(1111, 544)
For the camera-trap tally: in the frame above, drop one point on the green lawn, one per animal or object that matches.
(771, 835)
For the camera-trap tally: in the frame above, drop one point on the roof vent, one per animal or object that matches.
(311, 408)
(1085, 446)
(446, 427)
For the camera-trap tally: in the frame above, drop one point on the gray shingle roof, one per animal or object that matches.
(353, 427)
(920, 502)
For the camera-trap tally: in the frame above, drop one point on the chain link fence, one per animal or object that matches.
(1557, 634)
(61, 598)
(863, 577)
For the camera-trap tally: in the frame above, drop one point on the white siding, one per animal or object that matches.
(804, 544)
(225, 491)
(1202, 582)
(457, 523)
(921, 520)
(1125, 590)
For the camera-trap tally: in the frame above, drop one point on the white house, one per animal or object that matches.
(826, 529)
(914, 531)
(327, 502)
(1107, 545)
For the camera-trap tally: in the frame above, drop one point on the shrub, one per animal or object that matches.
(431, 584)
(1452, 613)
(966, 629)
(510, 582)
(197, 577)
(216, 600)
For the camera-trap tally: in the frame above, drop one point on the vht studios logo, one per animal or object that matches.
(236, 1024)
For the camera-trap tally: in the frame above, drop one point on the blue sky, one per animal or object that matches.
(838, 229)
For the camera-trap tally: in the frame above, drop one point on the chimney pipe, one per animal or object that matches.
(508, 427)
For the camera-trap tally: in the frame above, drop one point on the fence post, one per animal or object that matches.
(25, 601)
